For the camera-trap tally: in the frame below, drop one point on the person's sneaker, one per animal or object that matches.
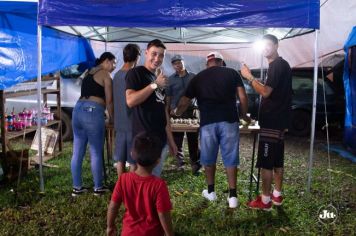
(195, 169)
(258, 204)
(233, 202)
(100, 191)
(210, 196)
(277, 200)
(181, 165)
(78, 191)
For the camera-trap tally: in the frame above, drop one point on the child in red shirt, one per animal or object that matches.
(145, 196)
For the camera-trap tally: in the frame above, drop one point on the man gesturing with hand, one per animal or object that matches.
(145, 93)
(274, 116)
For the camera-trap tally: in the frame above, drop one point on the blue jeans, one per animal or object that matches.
(88, 126)
(159, 167)
(223, 134)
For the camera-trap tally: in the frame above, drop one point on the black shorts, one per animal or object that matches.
(270, 149)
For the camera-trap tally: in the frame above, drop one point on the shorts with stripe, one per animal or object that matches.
(270, 149)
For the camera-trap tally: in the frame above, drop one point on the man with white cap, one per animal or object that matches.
(177, 84)
(215, 89)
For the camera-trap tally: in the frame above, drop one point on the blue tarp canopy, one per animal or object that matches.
(18, 45)
(181, 13)
(18, 31)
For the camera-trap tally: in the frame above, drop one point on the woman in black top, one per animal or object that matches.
(88, 122)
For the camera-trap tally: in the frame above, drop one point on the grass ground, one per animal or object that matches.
(55, 212)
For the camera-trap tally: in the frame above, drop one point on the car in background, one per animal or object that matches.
(302, 99)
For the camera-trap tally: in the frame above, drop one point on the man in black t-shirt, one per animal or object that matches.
(274, 119)
(145, 94)
(216, 89)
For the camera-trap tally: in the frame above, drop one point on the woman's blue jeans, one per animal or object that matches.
(88, 123)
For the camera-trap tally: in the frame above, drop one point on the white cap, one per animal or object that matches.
(214, 55)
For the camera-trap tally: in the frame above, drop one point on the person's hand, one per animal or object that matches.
(111, 120)
(111, 231)
(247, 119)
(173, 112)
(246, 72)
(161, 80)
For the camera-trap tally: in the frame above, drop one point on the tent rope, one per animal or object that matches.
(327, 135)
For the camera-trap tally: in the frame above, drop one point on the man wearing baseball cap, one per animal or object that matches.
(177, 84)
(215, 89)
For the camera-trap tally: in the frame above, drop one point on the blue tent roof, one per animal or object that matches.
(18, 45)
(181, 13)
(18, 31)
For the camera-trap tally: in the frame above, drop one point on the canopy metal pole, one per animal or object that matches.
(106, 39)
(312, 133)
(39, 105)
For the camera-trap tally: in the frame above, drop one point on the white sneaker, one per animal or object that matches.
(233, 202)
(210, 196)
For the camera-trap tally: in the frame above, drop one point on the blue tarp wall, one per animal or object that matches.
(18, 45)
(350, 92)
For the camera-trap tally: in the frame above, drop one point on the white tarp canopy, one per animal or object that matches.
(337, 19)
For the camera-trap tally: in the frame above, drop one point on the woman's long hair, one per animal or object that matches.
(103, 57)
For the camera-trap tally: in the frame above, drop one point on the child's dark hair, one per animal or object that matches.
(147, 148)
(131, 52)
(271, 37)
(103, 57)
(157, 43)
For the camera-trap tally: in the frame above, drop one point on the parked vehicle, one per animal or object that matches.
(302, 84)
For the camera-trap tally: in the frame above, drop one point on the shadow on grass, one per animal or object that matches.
(260, 222)
(173, 174)
(195, 212)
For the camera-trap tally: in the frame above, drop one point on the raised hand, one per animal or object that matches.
(246, 72)
(161, 80)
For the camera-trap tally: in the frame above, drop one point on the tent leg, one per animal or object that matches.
(39, 107)
(312, 133)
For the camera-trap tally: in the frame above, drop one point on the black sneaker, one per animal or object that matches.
(78, 191)
(101, 191)
(195, 168)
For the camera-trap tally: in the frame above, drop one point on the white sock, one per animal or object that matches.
(276, 193)
(266, 199)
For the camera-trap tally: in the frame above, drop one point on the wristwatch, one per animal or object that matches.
(154, 86)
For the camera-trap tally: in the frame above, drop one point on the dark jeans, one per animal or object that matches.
(192, 147)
